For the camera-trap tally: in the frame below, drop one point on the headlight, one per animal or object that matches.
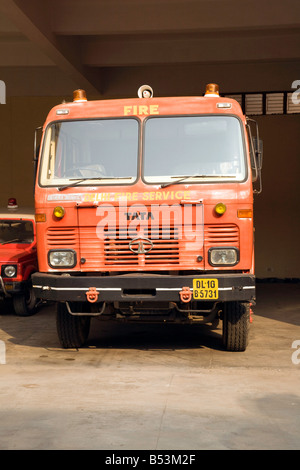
(62, 258)
(223, 256)
(9, 271)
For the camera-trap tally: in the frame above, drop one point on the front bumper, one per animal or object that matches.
(9, 288)
(138, 287)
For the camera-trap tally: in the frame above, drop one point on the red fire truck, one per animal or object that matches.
(144, 212)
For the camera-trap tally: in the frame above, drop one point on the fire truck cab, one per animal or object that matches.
(144, 212)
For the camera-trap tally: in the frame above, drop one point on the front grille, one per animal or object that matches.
(62, 237)
(171, 249)
(221, 235)
(165, 249)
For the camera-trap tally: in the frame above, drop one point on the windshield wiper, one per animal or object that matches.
(11, 241)
(86, 179)
(164, 185)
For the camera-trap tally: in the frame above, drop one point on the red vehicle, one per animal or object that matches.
(18, 257)
(144, 212)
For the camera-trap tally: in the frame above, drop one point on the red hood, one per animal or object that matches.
(15, 253)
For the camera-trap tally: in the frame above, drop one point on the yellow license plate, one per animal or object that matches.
(205, 289)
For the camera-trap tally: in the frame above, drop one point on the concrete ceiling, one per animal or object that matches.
(111, 47)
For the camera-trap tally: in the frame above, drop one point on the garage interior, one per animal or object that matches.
(111, 47)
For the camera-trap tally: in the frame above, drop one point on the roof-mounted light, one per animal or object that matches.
(224, 105)
(145, 91)
(212, 89)
(12, 203)
(79, 96)
(60, 112)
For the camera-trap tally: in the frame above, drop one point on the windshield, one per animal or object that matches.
(16, 231)
(204, 147)
(104, 149)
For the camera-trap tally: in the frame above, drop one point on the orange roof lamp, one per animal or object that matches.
(212, 89)
(79, 96)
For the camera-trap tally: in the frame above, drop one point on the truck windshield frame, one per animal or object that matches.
(210, 147)
(106, 149)
(16, 231)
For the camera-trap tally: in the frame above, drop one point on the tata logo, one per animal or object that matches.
(139, 215)
(140, 245)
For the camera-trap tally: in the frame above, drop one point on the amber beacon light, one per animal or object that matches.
(212, 89)
(79, 96)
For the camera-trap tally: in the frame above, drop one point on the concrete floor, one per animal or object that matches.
(152, 387)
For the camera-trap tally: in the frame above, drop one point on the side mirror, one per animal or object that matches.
(36, 146)
(36, 149)
(258, 149)
(256, 156)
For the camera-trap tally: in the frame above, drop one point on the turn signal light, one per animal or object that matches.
(220, 208)
(244, 213)
(40, 217)
(59, 212)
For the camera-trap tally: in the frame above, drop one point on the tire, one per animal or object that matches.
(25, 304)
(236, 323)
(72, 330)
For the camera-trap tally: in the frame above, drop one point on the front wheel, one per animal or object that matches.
(72, 330)
(25, 304)
(236, 322)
